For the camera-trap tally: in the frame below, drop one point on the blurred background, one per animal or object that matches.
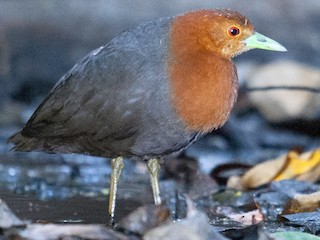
(40, 40)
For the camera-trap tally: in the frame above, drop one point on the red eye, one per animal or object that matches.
(233, 31)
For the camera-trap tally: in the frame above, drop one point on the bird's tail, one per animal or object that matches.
(24, 144)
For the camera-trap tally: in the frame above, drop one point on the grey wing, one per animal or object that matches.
(116, 101)
(88, 111)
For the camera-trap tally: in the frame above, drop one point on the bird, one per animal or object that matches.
(149, 93)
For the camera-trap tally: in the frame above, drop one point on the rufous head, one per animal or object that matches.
(203, 79)
(225, 33)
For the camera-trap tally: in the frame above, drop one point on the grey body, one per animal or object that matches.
(114, 102)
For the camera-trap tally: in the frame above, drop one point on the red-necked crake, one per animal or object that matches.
(151, 91)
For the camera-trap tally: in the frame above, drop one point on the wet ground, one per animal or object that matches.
(66, 188)
(78, 209)
(46, 188)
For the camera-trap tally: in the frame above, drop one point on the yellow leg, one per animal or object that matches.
(117, 166)
(154, 169)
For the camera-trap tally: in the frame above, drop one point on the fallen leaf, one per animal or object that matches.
(304, 166)
(195, 227)
(248, 218)
(296, 165)
(303, 203)
(260, 174)
(311, 176)
(294, 236)
(145, 218)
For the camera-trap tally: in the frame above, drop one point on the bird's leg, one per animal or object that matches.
(117, 166)
(154, 169)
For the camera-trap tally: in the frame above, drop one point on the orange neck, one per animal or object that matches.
(203, 85)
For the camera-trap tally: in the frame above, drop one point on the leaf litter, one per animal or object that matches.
(269, 201)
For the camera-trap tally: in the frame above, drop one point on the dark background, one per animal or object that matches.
(41, 39)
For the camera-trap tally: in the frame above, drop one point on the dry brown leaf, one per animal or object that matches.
(262, 173)
(302, 167)
(303, 203)
(234, 182)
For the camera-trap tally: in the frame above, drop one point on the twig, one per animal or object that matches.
(294, 88)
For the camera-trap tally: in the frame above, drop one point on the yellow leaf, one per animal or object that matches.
(304, 167)
(295, 165)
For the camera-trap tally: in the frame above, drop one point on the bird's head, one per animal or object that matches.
(223, 32)
(203, 79)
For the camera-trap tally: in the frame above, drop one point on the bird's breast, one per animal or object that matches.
(203, 90)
